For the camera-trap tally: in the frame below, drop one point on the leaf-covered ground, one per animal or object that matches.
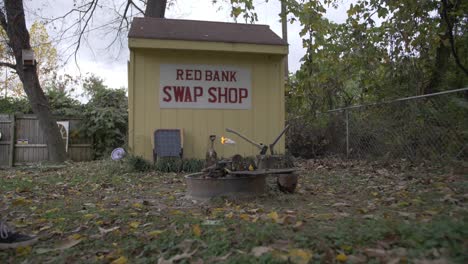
(353, 212)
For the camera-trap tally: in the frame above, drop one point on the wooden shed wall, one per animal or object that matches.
(263, 122)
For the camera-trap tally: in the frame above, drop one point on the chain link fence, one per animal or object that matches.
(428, 127)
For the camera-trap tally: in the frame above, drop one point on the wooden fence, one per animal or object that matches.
(23, 143)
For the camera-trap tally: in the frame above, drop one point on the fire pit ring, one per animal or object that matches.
(239, 186)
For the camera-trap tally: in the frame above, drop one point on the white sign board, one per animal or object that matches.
(204, 87)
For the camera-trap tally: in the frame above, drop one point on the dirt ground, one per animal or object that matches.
(342, 211)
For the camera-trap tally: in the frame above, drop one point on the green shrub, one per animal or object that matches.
(105, 116)
(171, 164)
(139, 164)
(192, 165)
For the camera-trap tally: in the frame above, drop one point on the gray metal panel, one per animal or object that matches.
(168, 142)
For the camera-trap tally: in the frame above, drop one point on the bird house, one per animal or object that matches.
(28, 57)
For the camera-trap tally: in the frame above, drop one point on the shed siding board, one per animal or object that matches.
(131, 98)
(140, 138)
(262, 122)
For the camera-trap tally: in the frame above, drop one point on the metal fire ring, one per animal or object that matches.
(236, 187)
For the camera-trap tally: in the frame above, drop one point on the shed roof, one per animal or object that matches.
(194, 30)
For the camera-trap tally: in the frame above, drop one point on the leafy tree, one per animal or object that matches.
(45, 54)
(13, 22)
(105, 116)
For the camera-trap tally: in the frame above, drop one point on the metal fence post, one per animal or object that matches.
(347, 133)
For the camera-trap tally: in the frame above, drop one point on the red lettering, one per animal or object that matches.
(198, 75)
(179, 93)
(233, 76)
(197, 91)
(188, 95)
(225, 76)
(216, 76)
(212, 94)
(188, 75)
(180, 74)
(243, 93)
(167, 97)
(225, 95)
(232, 95)
(208, 75)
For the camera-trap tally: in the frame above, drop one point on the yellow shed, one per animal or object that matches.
(203, 77)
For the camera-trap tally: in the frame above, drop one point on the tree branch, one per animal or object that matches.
(449, 30)
(3, 22)
(7, 64)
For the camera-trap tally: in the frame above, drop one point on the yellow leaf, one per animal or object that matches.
(155, 233)
(23, 251)
(137, 205)
(196, 230)
(300, 256)
(75, 236)
(347, 248)
(121, 260)
(245, 217)
(176, 212)
(134, 224)
(326, 216)
(274, 216)
(229, 215)
(298, 225)
(88, 216)
(21, 201)
(341, 257)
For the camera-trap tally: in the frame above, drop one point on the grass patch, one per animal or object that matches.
(348, 209)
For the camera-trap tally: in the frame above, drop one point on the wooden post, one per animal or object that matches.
(11, 161)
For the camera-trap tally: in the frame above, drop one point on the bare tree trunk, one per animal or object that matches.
(15, 25)
(156, 8)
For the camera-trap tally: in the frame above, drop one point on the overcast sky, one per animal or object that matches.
(111, 63)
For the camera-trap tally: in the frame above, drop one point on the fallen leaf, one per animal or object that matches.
(20, 201)
(88, 216)
(211, 222)
(375, 252)
(175, 258)
(121, 260)
(155, 233)
(229, 215)
(259, 251)
(273, 216)
(341, 257)
(134, 224)
(137, 205)
(23, 251)
(220, 259)
(105, 231)
(300, 256)
(340, 205)
(244, 217)
(196, 230)
(63, 245)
